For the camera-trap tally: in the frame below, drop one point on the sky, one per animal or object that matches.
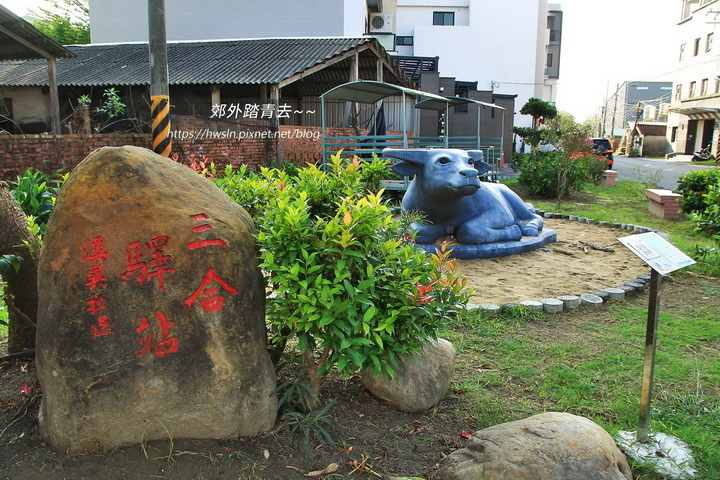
(604, 43)
(21, 7)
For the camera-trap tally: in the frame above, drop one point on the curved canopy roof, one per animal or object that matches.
(433, 104)
(370, 91)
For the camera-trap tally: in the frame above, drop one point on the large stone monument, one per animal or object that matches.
(151, 309)
(488, 218)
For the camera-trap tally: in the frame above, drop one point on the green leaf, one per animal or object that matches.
(369, 314)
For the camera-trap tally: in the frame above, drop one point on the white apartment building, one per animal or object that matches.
(507, 47)
(510, 48)
(694, 120)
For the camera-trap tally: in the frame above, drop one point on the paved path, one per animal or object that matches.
(643, 169)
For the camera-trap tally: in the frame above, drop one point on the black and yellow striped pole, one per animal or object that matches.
(159, 81)
(160, 106)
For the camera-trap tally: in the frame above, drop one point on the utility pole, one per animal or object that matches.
(159, 81)
(612, 125)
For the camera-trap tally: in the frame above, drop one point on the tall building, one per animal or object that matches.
(508, 48)
(694, 120)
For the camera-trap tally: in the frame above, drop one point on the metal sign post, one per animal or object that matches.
(663, 258)
(650, 344)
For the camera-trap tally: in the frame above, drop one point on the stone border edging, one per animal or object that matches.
(596, 299)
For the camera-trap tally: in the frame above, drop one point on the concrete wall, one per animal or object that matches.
(654, 147)
(30, 108)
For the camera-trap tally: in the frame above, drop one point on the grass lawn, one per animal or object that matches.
(590, 363)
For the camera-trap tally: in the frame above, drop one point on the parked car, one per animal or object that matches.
(601, 146)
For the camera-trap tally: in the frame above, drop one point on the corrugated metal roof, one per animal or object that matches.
(19, 39)
(254, 61)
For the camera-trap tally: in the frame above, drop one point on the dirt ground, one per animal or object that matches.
(373, 439)
(550, 272)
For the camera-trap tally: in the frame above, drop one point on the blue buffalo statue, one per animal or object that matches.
(448, 191)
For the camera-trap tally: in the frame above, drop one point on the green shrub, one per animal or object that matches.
(349, 287)
(708, 220)
(36, 191)
(556, 174)
(693, 186)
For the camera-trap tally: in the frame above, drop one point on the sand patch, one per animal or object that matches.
(539, 274)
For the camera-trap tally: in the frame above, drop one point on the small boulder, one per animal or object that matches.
(151, 309)
(420, 381)
(550, 445)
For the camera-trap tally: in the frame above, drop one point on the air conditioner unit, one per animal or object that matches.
(381, 23)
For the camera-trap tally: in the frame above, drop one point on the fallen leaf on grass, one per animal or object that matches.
(332, 468)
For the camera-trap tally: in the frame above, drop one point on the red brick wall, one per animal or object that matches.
(52, 152)
(193, 140)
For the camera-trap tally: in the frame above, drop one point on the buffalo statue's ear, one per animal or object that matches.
(480, 165)
(476, 155)
(407, 169)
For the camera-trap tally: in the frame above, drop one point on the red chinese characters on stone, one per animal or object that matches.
(203, 228)
(208, 293)
(166, 345)
(210, 299)
(102, 328)
(95, 255)
(143, 270)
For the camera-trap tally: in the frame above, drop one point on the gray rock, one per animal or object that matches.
(629, 290)
(552, 305)
(615, 294)
(420, 381)
(546, 446)
(570, 302)
(151, 311)
(491, 309)
(590, 300)
(532, 305)
(639, 286)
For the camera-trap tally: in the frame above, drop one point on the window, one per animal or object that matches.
(696, 47)
(678, 92)
(549, 60)
(691, 93)
(403, 41)
(673, 134)
(443, 18)
(717, 84)
(704, 87)
(708, 42)
(682, 52)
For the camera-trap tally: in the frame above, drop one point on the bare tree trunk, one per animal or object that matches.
(315, 379)
(21, 291)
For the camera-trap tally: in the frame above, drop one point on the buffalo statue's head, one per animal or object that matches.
(443, 173)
